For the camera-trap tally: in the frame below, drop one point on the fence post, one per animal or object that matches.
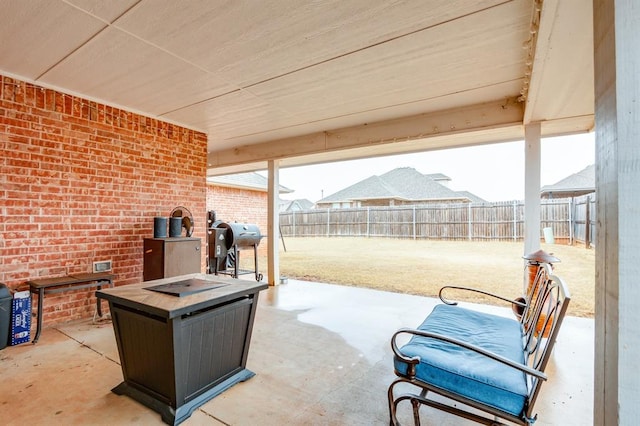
(469, 233)
(293, 223)
(571, 215)
(328, 222)
(368, 221)
(515, 220)
(469, 225)
(414, 222)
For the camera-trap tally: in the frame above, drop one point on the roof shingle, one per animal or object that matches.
(403, 183)
(584, 180)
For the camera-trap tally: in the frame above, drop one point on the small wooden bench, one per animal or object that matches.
(67, 283)
(474, 359)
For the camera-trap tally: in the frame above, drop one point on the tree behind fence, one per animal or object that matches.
(568, 220)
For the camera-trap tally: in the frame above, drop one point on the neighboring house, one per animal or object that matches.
(472, 197)
(247, 181)
(295, 205)
(440, 178)
(401, 186)
(575, 185)
(240, 197)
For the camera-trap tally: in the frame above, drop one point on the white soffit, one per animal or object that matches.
(122, 68)
(35, 36)
(262, 72)
(562, 78)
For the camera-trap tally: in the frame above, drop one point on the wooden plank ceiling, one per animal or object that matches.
(314, 81)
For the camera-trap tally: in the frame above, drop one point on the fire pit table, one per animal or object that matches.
(182, 340)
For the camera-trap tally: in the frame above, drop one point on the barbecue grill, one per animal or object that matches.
(226, 241)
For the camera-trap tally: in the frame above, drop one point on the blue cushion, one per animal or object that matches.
(465, 372)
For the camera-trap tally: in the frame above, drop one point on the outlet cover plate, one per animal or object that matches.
(102, 266)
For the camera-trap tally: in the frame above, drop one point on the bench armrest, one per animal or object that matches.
(517, 302)
(412, 361)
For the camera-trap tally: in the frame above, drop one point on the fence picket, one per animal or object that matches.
(571, 219)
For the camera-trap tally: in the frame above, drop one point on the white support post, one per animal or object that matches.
(617, 95)
(273, 223)
(532, 188)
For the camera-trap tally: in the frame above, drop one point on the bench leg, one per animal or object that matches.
(99, 304)
(39, 319)
(108, 283)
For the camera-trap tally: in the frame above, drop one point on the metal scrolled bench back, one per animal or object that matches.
(542, 312)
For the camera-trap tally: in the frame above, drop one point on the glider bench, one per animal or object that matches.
(474, 359)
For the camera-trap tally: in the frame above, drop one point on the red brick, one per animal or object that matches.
(30, 95)
(83, 188)
(40, 98)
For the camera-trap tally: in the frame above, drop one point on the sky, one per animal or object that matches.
(493, 172)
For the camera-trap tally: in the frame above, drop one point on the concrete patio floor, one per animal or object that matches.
(321, 356)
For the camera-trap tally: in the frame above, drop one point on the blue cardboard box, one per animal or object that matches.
(20, 318)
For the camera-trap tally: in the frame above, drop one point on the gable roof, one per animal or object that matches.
(295, 205)
(582, 182)
(251, 180)
(473, 197)
(403, 183)
(439, 176)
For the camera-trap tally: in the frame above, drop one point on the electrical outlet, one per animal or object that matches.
(102, 266)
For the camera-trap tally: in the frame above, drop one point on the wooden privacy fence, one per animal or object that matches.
(567, 220)
(584, 220)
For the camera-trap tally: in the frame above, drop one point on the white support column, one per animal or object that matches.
(617, 95)
(273, 223)
(531, 187)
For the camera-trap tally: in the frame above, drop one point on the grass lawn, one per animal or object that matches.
(421, 267)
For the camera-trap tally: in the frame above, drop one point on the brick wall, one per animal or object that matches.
(81, 182)
(240, 205)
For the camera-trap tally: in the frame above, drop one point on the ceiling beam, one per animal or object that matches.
(542, 25)
(486, 116)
